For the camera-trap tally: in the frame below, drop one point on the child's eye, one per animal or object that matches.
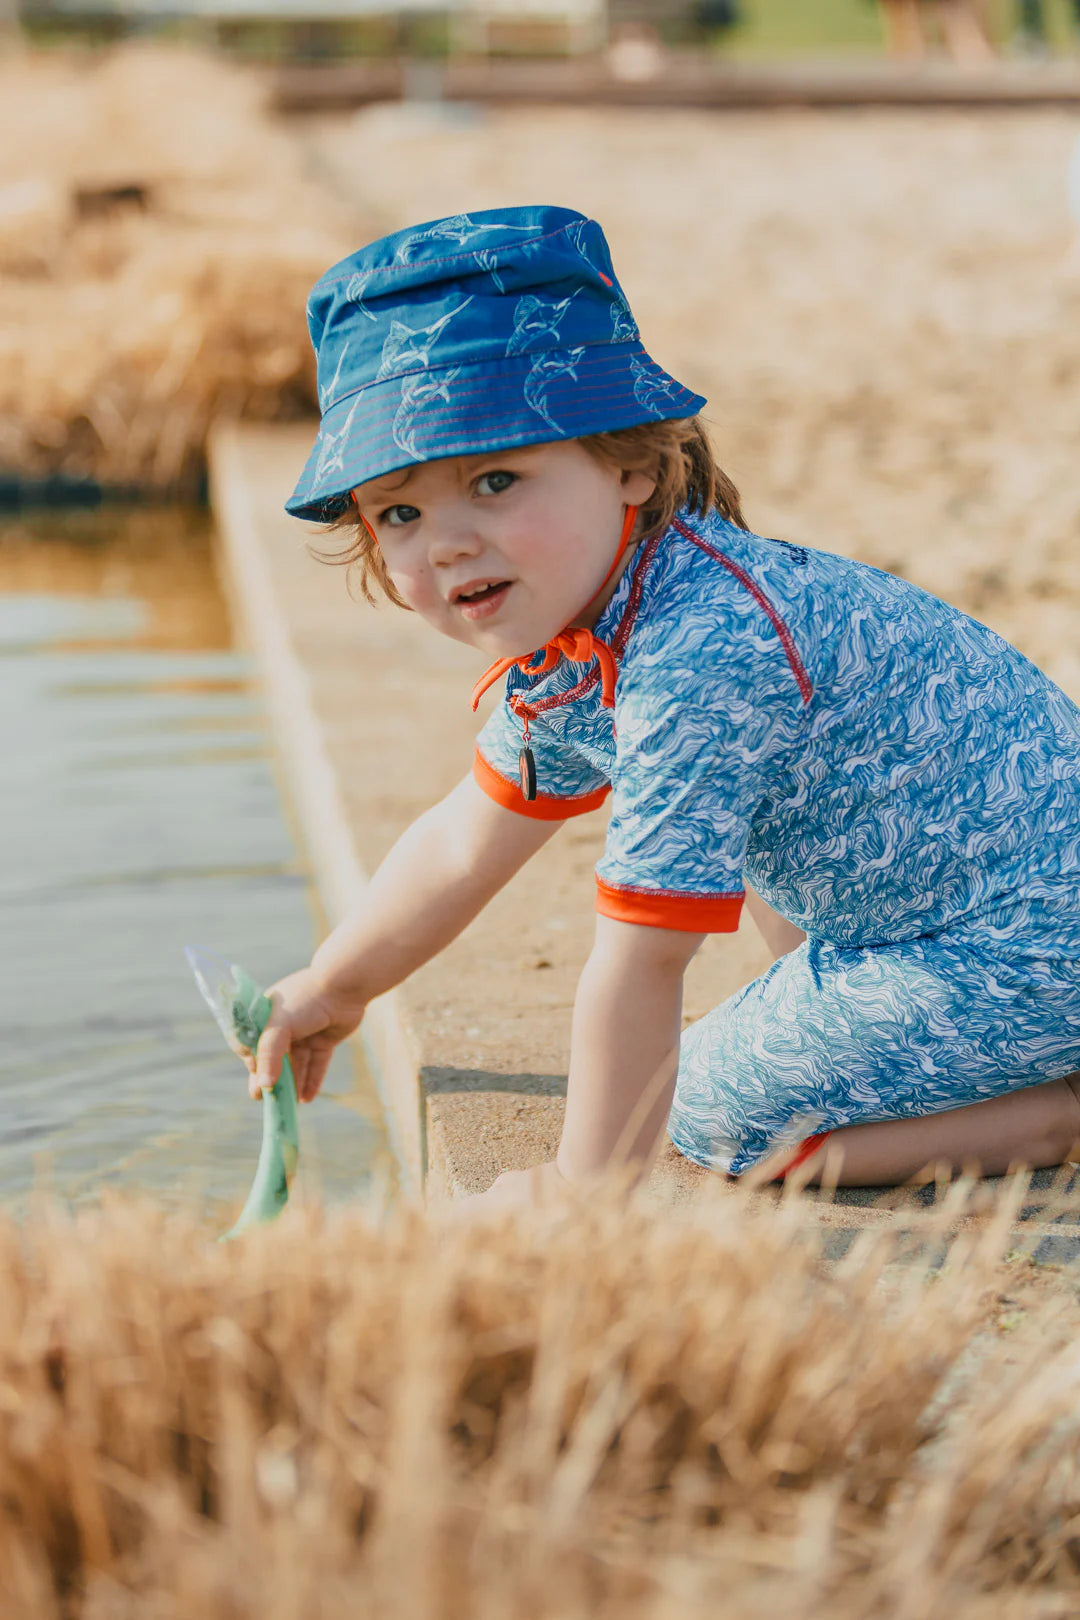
(397, 516)
(493, 483)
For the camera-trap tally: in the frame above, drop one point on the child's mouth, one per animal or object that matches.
(484, 601)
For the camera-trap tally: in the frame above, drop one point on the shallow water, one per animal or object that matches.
(140, 814)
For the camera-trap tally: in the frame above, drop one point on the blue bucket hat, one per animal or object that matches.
(479, 332)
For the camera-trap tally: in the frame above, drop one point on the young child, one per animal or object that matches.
(893, 790)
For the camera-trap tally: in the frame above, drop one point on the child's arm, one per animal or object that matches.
(624, 1047)
(623, 1061)
(441, 872)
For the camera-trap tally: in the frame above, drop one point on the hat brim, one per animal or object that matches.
(470, 409)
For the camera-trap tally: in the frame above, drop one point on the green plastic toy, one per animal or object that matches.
(241, 1009)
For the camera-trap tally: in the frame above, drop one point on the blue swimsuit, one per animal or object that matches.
(887, 773)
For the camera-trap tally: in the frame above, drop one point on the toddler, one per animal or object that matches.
(890, 788)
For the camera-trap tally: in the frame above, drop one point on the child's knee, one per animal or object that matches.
(1070, 1134)
(1054, 1134)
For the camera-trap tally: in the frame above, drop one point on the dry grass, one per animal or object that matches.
(594, 1415)
(157, 241)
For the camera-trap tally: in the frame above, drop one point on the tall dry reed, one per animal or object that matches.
(591, 1414)
(158, 235)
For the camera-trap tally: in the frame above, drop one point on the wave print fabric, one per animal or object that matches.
(833, 1036)
(887, 773)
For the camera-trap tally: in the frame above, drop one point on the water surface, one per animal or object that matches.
(139, 814)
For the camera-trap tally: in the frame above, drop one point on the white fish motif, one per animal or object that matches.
(409, 347)
(488, 259)
(653, 393)
(624, 328)
(416, 393)
(458, 228)
(332, 450)
(578, 233)
(355, 290)
(543, 372)
(326, 392)
(536, 320)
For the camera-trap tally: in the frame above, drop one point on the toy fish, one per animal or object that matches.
(241, 1010)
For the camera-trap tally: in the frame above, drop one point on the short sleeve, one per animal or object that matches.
(691, 770)
(568, 784)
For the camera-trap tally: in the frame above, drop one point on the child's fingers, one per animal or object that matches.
(273, 1046)
(300, 1057)
(310, 1081)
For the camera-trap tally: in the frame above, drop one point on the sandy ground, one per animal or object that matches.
(882, 309)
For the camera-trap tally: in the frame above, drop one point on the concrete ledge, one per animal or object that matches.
(244, 496)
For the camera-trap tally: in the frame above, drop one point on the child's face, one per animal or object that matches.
(503, 551)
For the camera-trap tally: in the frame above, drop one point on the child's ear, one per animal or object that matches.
(637, 486)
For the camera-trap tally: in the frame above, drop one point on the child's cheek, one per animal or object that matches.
(417, 588)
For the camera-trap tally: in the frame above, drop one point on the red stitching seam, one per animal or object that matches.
(618, 642)
(420, 371)
(671, 894)
(787, 640)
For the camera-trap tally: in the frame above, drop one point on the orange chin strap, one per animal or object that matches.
(579, 645)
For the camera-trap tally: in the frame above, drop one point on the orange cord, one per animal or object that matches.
(577, 644)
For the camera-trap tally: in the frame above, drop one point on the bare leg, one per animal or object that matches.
(1036, 1127)
(779, 935)
(964, 33)
(903, 28)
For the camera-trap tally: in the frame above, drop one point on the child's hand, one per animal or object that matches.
(307, 1021)
(514, 1189)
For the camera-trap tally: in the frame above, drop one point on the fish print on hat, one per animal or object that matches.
(417, 394)
(355, 289)
(655, 392)
(459, 229)
(409, 347)
(624, 328)
(482, 331)
(326, 392)
(543, 372)
(333, 446)
(537, 322)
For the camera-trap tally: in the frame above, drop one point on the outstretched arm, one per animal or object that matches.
(437, 877)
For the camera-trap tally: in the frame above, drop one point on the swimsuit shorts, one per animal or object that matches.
(833, 1035)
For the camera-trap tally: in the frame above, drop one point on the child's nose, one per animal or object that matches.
(452, 541)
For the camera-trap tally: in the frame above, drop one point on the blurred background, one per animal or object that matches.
(854, 227)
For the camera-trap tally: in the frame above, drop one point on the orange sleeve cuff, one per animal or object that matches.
(545, 807)
(659, 908)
